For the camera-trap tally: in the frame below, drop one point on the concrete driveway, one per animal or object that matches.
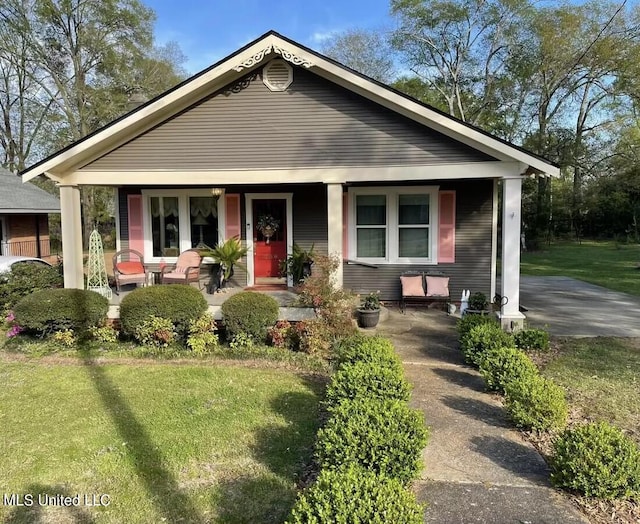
(568, 307)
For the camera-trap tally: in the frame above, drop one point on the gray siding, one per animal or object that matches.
(314, 123)
(472, 268)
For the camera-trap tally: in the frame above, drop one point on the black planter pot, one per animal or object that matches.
(368, 318)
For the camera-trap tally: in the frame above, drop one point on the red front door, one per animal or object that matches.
(269, 236)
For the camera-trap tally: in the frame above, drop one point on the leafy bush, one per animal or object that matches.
(363, 380)
(383, 436)
(478, 301)
(532, 340)
(283, 335)
(65, 337)
(25, 279)
(536, 403)
(50, 310)
(105, 334)
(175, 302)
(468, 322)
(249, 313)
(202, 338)
(355, 495)
(483, 338)
(364, 348)
(597, 460)
(155, 331)
(500, 366)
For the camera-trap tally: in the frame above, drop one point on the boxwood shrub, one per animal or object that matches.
(176, 302)
(532, 340)
(353, 494)
(597, 460)
(536, 403)
(468, 322)
(249, 313)
(50, 310)
(24, 279)
(364, 348)
(383, 436)
(482, 338)
(367, 381)
(500, 366)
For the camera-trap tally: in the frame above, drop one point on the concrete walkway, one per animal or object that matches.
(568, 307)
(478, 468)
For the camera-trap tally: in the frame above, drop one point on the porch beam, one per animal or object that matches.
(510, 317)
(71, 225)
(334, 227)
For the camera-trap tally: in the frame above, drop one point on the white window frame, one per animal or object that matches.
(392, 226)
(184, 230)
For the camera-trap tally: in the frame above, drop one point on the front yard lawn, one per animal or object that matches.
(602, 379)
(606, 264)
(167, 442)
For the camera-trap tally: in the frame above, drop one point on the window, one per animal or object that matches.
(393, 224)
(180, 219)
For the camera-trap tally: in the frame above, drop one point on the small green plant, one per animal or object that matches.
(242, 341)
(249, 313)
(175, 302)
(50, 310)
(500, 366)
(355, 495)
(536, 403)
(202, 337)
(363, 348)
(155, 331)
(104, 334)
(227, 254)
(64, 337)
(371, 302)
(363, 380)
(383, 436)
(597, 460)
(478, 301)
(482, 338)
(296, 262)
(532, 340)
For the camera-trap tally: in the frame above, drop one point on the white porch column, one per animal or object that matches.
(510, 316)
(71, 225)
(334, 226)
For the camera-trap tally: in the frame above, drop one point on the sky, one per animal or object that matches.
(208, 31)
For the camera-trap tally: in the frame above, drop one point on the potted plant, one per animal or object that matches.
(227, 254)
(478, 304)
(369, 310)
(268, 225)
(297, 264)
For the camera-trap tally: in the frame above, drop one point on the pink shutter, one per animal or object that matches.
(447, 227)
(345, 225)
(136, 232)
(232, 227)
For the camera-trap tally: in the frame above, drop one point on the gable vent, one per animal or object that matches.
(277, 75)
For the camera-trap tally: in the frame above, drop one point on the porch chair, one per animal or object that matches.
(128, 268)
(185, 270)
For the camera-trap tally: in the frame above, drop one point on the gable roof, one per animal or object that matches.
(16, 197)
(250, 57)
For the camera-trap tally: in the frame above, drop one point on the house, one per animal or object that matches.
(279, 132)
(24, 217)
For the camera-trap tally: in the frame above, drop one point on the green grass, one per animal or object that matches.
(602, 379)
(607, 264)
(167, 442)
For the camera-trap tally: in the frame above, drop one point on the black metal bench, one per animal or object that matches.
(425, 299)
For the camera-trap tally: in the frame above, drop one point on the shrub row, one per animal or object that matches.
(370, 446)
(596, 459)
(23, 280)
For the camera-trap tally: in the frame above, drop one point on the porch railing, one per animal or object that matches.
(26, 248)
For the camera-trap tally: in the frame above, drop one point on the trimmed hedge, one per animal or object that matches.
(536, 403)
(370, 349)
(383, 436)
(176, 302)
(249, 313)
(355, 495)
(364, 380)
(532, 340)
(49, 310)
(500, 366)
(468, 322)
(597, 460)
(25, 279)
(482, 338)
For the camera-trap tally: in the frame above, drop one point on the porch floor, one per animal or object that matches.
(286, 299)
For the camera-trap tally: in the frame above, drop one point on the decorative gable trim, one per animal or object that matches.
(255, 59)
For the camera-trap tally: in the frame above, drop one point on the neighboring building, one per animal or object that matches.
(24, 217)
(338, 160)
